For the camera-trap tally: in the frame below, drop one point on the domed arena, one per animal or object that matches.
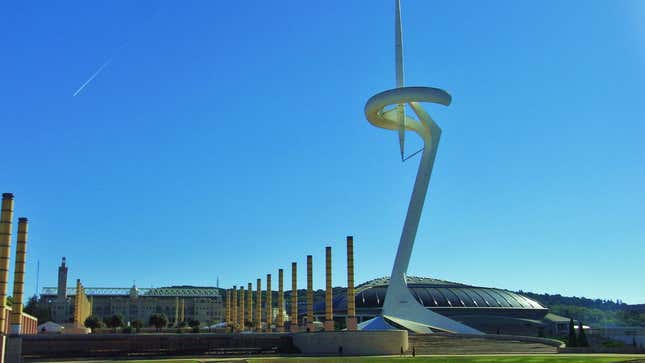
(489, 310)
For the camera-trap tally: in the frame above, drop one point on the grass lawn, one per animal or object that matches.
(460, 359)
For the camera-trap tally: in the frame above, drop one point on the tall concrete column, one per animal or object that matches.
(234, 316)
(228, 309)
(310, 293)
(182, 310)
(351, 303)
(10, 348)
(269, 308)
(279, 324)
(249, 303)
(6, 216)
(227, 317)
(19, 276)
(77, 303)
(258, 304)
(82, 307)
(329, 316)
(294, 297)
(241, 314)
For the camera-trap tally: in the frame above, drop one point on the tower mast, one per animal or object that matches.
(398, 44)
(398, 56)
(387, 110)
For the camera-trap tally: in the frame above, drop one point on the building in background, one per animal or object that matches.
(626, 334)
(203, 304)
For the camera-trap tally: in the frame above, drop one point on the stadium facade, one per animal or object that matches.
(178, 303)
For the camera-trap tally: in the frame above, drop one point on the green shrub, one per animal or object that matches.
(158, 321)
(137, 325)
(613, 344)
(93, 322)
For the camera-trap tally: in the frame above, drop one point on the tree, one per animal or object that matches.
(114, 321)
(572, 334)
(158, 320)
(582, 337)
(137, 324)
(93, 322)
(41, 312)
(195, 325)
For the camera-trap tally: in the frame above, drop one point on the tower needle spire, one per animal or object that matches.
(398, 55)
(398, 44)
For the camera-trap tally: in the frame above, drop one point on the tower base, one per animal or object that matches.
(385, 322)
(402, 309)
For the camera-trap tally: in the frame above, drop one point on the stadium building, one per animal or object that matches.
(489, 310)
(178, 303)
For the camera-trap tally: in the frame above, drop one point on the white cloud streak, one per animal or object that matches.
(93, 76)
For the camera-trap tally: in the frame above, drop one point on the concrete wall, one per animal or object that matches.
(28, 323)
(625, 334)
(521, 338)
(363, 342)
(45, 346)
(628, 349)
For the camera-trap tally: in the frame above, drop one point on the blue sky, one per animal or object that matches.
(228, 139)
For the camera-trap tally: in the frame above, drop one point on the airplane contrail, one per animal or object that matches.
(93, 76)
(107, 62)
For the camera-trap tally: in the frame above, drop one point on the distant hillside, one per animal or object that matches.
(595, 312)
(551, 300)
(638, 307)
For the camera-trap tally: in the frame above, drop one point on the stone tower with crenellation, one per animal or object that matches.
(61, 307)
(62, 280)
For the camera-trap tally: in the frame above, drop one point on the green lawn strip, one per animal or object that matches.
(452, 359)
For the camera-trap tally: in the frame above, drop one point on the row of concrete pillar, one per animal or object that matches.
(14, 328)
(6, 218)
(239, 314)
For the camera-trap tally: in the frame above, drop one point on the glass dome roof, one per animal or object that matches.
(434, 293)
